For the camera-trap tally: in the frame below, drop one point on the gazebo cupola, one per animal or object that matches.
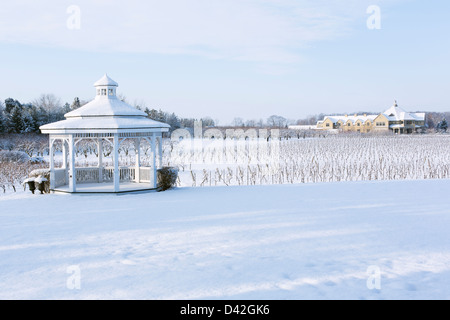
(106, 87)
(105, 120)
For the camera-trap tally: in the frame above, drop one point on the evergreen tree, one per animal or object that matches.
(39, 117)
(173, 121)
(155, 114)
(16, 124)
(2, 120)
(75, 104)
(66, 108)
(27, 119)
(443, 125)
(10, 104)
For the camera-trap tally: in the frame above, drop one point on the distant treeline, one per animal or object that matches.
(17, 117)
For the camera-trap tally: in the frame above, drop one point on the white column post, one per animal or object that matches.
(116, 163)
(64, 165)
(64, 151)
(154, 176)
(100, 159)
(137, 168)
(72, 169)
(160, 151)
(52, 164)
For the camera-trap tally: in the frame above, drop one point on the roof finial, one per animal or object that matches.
(395, 103)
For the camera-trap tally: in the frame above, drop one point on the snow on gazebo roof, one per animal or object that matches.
(106, 107)
(105, 113)
(112, 123)
(106, 81)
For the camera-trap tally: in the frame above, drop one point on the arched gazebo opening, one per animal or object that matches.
(111, 126)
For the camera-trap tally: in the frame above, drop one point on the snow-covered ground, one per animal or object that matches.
(310, 241)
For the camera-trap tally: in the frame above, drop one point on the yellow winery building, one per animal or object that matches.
(394, 119)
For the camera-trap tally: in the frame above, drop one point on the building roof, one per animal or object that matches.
(106, 81)
(105, 112)
(396, 113)
(352, 119)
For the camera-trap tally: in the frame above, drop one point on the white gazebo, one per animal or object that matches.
(108, 120)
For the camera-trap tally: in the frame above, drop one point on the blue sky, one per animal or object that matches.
(234, 58)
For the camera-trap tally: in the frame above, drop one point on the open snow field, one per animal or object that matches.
(310, 241)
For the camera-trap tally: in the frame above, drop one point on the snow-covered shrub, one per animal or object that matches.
(40, 172)
(41, 176)
(167, 178)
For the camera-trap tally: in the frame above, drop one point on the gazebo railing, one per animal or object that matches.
(87, 175)
(125, 174)
(93, 174)
(107, 174)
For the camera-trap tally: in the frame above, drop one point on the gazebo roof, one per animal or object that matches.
(106, 81)
(106, 113)
(105, 124)
(106, 107)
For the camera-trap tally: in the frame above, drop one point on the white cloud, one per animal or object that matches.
(269, 31)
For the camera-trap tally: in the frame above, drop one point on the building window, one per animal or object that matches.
(348, 124)
(103, 92)
(327, 124)
(358, 124)
(111, 92)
